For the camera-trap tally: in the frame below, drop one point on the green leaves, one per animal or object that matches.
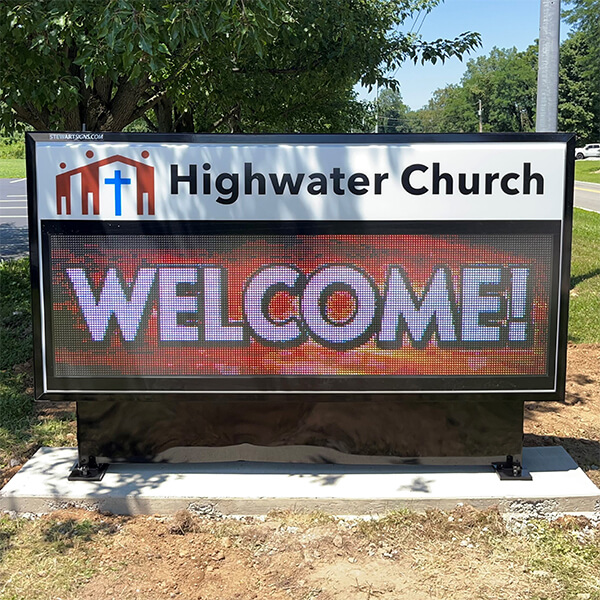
(505, 83)
(579, 90)
(581, 67)
(230, 64)
(441, 49)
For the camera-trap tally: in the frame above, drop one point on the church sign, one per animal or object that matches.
(189, 265)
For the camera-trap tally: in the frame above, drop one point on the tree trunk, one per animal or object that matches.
(123, 106)
(184, 122)
(163, 110)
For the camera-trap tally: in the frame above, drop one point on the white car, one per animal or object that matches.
(591, 150)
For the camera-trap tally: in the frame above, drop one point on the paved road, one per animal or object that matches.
(13, 212)
(13, 202)
(587, 195)
(13, 218)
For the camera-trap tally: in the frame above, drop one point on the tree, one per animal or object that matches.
(392, 113)
(450, 110)
(584, 15)
(66, 63)
(584, 69)
(209, 66)
(505, 83)
(578, 93)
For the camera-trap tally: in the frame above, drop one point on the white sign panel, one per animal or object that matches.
(391, 182)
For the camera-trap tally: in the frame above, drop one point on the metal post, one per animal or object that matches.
(547, 83)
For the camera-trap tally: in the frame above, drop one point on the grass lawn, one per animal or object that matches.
(461, 554)
(22, 428)
(584, 307)
(12, 168)
(587, 170)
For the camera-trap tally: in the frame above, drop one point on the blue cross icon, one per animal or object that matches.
(117, 182)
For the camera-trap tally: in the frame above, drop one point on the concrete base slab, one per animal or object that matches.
(246, 488)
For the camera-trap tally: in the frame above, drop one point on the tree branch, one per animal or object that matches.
(224, 118)
(149, 123)
(286, 71)
(33, 118)
(147, 105)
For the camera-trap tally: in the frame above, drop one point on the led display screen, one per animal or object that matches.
(301, 305)
(424, 269)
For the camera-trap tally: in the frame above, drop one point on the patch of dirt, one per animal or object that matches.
(254, 559)
(7, 474)
(574, 423)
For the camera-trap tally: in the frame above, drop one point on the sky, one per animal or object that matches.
(502, 23)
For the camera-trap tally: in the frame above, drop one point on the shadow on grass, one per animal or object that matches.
(584, 277)
(65, 533)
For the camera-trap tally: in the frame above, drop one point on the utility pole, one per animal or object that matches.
(377, 107)
(547, 83)
(480, 113)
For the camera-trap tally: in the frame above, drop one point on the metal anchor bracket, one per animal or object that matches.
(89, 470)
(511, 470)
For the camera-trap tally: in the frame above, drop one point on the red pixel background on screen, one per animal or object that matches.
(178, 305)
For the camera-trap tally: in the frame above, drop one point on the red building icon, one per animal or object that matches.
(90, 184)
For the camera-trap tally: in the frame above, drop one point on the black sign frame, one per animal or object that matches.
(549, 387)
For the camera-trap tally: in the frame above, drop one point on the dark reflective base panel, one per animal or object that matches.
(289, 430)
